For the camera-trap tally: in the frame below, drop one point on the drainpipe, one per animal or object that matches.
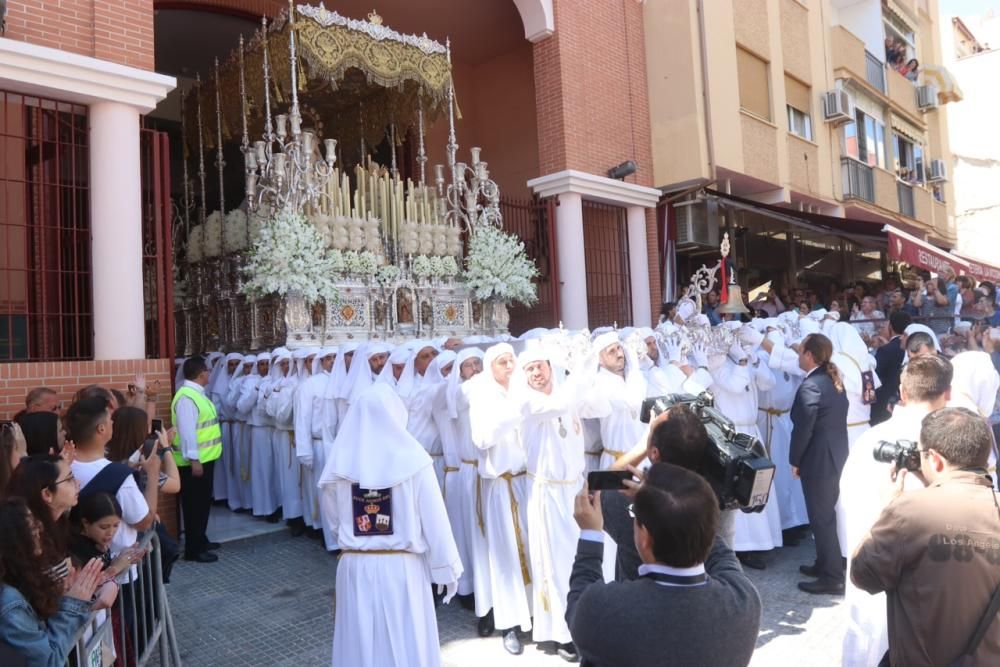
(709, 141)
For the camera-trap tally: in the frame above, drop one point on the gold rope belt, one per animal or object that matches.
(509, 477)
(436, 455)
(774, 412)
(448, 469)
(245, 462)
(613, 452)
(561, 482)
(858, 424)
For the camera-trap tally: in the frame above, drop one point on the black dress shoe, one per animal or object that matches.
(468, 602)
(297, 529)
(212, 546)
(820, 587)
(512, 643)
(203, 557)
(568, 652)
(789, 538)
(809, 570)
(485, 627)
(752, 560)
(274, 517)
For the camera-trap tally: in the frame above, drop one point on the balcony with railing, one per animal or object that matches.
(875, 72)
(858, 180)
(904, 191)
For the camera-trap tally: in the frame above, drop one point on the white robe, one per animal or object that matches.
(384, 613)
(421, 424)
(503, 495)
(861, 482)
(288, 472)
(265, 498)
(776, 432)
(220, 471)
(460, 483)
(735, 390)
(310, 424)
(240, 495)
(553, 438)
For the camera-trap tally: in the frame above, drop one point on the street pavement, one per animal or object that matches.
(269, 602)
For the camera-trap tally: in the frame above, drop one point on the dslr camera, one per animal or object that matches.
(736, 465)
(904, 453)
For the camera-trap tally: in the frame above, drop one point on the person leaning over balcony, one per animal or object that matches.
(39, 614)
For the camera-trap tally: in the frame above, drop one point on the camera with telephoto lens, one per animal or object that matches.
(736, 465)
(904, 453)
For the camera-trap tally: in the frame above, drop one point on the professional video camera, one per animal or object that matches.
(904, 453)
(736, 465)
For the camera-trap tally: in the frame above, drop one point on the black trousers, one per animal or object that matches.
(821, 495)
(196, 503)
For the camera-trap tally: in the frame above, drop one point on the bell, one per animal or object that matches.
(735, 302)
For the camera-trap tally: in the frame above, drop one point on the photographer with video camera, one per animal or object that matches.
(689, 582)
(925, 386)
(934, 551)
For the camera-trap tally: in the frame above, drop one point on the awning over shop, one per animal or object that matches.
(981, 271)
(906, 248)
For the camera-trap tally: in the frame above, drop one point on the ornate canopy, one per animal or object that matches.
(355, 78)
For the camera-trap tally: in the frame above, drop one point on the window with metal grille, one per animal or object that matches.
(605, 240)
(46, 307)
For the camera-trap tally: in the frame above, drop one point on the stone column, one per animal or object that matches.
(638, 266)
(572, 263)
(116, 230)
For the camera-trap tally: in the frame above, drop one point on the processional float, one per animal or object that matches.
(309, 94)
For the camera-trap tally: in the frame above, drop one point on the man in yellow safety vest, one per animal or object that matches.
(197, 445)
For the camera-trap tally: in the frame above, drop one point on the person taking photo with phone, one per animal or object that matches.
(690, 583)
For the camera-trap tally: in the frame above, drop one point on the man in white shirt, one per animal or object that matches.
(88, 424)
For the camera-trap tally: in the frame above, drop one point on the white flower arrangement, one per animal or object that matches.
(213, 235)
(498, 268)
(235, 236)
(194, 246)
(367, 263)
(436, 268)
(449, 267)
(422, 267)
(352, 264)
(387, 275)
(336, 260)
(289, 256)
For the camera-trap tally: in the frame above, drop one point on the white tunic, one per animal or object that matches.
(384, 614)
(288, 472)
(735, 390)
(311, 423)
(421, 424)
(867, 636)
(553, 437)
(503, 494)
(264, 488)
(240, 495)
(774, 420)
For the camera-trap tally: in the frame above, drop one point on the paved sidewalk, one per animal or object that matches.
(269, 601)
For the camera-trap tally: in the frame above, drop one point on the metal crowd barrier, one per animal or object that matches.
(139, 625)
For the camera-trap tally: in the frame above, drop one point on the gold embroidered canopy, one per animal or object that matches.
(355, 79)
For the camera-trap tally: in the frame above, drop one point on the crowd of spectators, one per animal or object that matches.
(71, 519)
(896, 52)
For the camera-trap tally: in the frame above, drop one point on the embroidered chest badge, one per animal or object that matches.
(372, 511)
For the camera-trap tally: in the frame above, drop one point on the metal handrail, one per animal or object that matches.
(875, 71)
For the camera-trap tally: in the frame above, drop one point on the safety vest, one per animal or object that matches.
(207, 430)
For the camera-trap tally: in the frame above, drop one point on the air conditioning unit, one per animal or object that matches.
(697, 223)
(838, 106)
(927, 98)
(938, 172)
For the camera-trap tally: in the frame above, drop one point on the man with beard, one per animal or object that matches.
(553, 440)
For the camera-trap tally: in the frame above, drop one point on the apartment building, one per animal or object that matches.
(793, 125)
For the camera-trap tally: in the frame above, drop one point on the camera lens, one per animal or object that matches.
(885, 452)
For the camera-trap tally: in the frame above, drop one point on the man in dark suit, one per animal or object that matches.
(817, 454)
(889, 366)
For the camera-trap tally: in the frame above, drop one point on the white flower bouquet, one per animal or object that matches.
(449, 267)
(498, 268)
(213, 235)
(352, 263)
(235, 231)
(289, 256)
(336, 260)
(422, 267)
(387, 275)
(367, 263)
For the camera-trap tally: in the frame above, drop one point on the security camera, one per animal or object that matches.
(626, 168)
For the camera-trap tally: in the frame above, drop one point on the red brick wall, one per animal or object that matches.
(592, 99)
(120, 31)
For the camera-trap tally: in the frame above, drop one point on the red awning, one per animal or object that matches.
(981, 271)
(913, 251)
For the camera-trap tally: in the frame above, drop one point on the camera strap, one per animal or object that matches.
(677, 579)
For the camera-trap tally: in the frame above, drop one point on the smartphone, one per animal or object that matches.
(607, 480)
(149, 446)
(157, 425)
